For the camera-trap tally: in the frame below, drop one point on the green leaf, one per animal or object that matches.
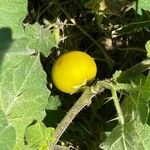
(141, 4)
(131, 136)
(40, 38)
(7, 133)
(141, 22)
(132, 27)
(53, 103)
(135, 132)
(23, 91)
(135, 106)
(12, 13)
(134, 72)
(39, 136)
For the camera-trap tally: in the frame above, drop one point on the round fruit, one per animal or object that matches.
(73, 70)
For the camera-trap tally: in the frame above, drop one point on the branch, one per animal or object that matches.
(85, 100)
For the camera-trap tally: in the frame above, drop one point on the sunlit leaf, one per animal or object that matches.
(23, 91)
(40, 39)
(12, 14)
(39, 136)
(7, 133)
(133, 135)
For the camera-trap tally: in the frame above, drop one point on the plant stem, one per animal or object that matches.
(83, 101)
(117, 106)
(114, 88)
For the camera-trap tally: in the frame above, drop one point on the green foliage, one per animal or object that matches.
(133, 27)
(12, 15)
(134, 133)
(29, 114)
(23, 91)
(21, 99)
(53, 103)
(38, 136)
(141, 5)
(7, 133)
(141, 22)
(40, 39)
(135, 106)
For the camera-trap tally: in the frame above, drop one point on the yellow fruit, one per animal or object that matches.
(73, 70)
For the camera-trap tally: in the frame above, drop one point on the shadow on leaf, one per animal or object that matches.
(5, 41)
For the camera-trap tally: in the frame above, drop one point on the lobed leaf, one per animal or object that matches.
(132, 135)
(40, 39)
(38, 136)
(23, 91)
(53, 103)
(12, 13)
(7, 133)
(135, 106)
(140, 5)
(135, 132)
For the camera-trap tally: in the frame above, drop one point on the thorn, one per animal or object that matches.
(113, 119)
(133, 85)
(93, 90)
(108, 100)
